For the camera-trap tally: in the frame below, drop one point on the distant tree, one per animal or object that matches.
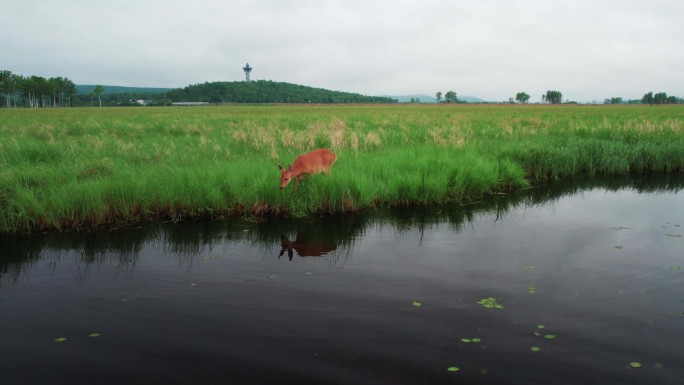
(554, 97)
(674, 100)
(450, 97)
(12, 87)
(5, 80)
(522, 97)
(216, 99)
(98, 91)
(648, 98)
(67, 90)
(35, 90)
(438, 96)
(660, 98)
(54, 85)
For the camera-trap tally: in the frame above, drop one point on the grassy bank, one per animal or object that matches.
(77, 168)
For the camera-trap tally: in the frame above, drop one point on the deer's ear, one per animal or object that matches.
(280, 167)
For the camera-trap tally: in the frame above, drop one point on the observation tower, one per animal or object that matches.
(247, 70)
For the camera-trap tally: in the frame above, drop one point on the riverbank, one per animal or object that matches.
(63, 169)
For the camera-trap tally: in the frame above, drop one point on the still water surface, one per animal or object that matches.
(591, 274)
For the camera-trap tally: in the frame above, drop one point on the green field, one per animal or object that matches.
(82, 168)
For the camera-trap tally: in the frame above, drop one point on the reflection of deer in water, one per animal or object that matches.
(304, 248)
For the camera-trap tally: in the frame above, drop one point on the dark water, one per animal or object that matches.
(598, 264)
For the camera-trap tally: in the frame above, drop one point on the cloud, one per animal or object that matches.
(488, 48)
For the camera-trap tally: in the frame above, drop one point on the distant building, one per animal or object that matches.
(188, 104)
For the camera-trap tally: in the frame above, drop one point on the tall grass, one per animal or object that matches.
(77, 168)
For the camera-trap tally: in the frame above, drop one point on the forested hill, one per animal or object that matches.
(266, 91)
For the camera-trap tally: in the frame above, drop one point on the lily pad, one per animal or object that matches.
(476, 340)
(535, 348)
(532, 290)
(94, 335)
(490, 303)
(417, 304)
(541, 326)
(528, 267)
(60, 339)
(635, 364)
(618, 247)
(466, 340)
(550, 336)
(453, 368)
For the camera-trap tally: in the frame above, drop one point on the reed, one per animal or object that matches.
(81, 168)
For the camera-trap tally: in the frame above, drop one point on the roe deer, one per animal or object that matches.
(307, 164)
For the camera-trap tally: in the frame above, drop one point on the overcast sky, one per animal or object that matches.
(492, 49)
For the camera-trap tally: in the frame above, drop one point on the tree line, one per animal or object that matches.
(660, 98)
(556, 97)
(35, 91)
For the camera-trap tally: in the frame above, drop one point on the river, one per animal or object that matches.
(573, 283)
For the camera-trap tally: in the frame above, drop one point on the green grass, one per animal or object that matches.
(81, 168)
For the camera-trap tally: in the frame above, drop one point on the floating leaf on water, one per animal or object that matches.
(635, 364)
(537, 334)
(619, 247)
(676, 267)
(541, 326)
(535, 348)
(93, 335)
(674, 235)
(490, 303)
(417, 304)
(550, 336)
(528, 267)
(466, 340)
(453, 368)
(60, 339)
(532, 290)
(476, 340)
